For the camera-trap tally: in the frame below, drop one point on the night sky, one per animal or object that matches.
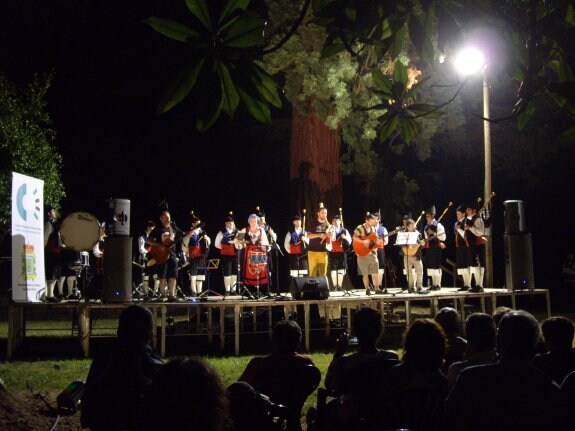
(110, 70)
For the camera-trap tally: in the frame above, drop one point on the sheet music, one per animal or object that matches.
(407, 238)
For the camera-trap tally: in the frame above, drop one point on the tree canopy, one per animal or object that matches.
(27, 143)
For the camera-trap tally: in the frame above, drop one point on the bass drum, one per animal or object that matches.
(80, 231)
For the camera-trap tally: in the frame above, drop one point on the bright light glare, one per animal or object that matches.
(469, 61)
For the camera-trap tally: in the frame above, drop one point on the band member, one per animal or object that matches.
(195, 245)
(412, 260)
(475, 231)
(435, 242)
(320, 234)
(255, 252)
(143, 250)
(272, 251)
(337, 256)
(228, 254)
(295, 244)
(162, 239)
(52, 243)
(382, 233)
(368, 264)
(462, 249)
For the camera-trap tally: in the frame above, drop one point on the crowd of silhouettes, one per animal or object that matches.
(499, 372)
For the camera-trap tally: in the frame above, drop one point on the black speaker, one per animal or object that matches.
(309, 288)
(514, 217)
(518, 262)
(118, 217)
(117, 282)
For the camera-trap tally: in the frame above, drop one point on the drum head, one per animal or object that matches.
(80, 231)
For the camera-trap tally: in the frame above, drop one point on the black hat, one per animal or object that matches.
(296, 217)
(377, 214)
(229, 217)
(407, 216)
(461, 208)
(369, 215)
(195, 218)
(336, 217)
(474, 205)
(431, 210)
(260, 212)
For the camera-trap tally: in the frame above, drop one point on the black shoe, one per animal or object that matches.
(476, 289)
(421, 291)
(435, 288)
(368, 292)
(52, 299)
(463, 289)
(411, 290)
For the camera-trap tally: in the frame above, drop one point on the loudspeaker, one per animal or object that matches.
(309, 288)
(118, 217)
(514, 217)
(518, 262)
(117, 283)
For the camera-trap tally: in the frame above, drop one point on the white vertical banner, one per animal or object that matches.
(28, 278)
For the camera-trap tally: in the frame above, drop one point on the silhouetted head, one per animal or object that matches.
(186, 394)
(424, 345)
(499, 313)
(480, 332)
(367, 326)
(286, 336)
(135, 325)
(450, 320)
(517, 335)
(558, 333)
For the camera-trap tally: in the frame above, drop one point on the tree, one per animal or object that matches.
(27, 143)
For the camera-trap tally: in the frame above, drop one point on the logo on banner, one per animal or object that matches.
(23, 201)
(28, 262)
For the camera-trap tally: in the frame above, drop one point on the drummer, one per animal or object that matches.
(255, 246)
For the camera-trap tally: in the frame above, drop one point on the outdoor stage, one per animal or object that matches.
(85, 312)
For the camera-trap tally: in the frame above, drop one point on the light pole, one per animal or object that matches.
(471, 61)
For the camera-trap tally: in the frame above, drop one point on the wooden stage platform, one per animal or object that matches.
(85, 312)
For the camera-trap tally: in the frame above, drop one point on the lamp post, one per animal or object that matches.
(470, 61)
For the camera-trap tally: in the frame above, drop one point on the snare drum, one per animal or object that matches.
(257, 258)
(80, 231)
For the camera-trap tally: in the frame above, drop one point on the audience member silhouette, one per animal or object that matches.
(355, 378)
(118, 378)
(510, 394)
(450, 321)
(284, 375)
(186, 394)
(481, 333)
(560, 359)
(498, 314)
(413, 392)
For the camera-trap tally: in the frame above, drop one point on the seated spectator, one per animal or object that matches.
(284, 375)
(510, 394)
(368, 328)
(186, 394)
(480, 331)
(118, 378)
(355, 378)
(560, 359)
(413, 392)
(450, 321)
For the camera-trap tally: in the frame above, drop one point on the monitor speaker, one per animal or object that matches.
(309, 288)
(117, 282)
(518, 262)
(514, 217)
(118, 217)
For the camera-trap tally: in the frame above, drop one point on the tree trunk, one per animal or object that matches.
(315, 174)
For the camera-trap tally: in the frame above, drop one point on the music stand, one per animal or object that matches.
(212, 264)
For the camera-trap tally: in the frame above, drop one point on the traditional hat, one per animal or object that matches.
(407, 216)
(229, 217)
(474, 205)
(260, 212)
(321, 206)
(296, 217)
(369, 215)
(195, 219)
(336, 217)
(461, 208)
(431, 210)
